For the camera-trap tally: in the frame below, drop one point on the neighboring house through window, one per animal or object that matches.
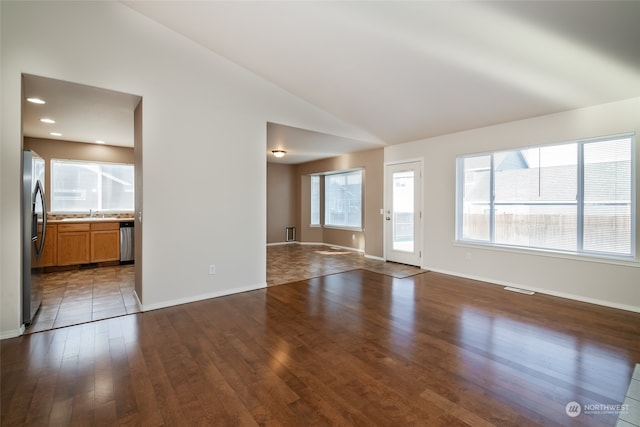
(575, 197)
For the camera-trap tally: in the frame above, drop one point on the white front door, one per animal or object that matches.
(402, 213)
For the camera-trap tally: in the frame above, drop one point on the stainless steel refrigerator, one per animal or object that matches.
(34, 231)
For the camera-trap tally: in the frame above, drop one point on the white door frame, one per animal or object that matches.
(389, 254)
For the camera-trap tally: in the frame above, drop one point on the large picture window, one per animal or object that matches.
(78, 186)
(343, 199)
(575, 197)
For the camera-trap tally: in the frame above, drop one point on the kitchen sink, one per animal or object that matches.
(87, 219)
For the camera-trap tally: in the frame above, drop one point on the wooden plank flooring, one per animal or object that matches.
(80, 295)
(353, 348)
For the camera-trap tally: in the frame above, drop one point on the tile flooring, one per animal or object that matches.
(88, 294)
(293, 262)
(78, 296)
(630, 415)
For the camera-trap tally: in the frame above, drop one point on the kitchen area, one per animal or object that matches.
(78, 204)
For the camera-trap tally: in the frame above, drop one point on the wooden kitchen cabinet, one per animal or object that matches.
(105, 241)
(49, 256)
(74, 243)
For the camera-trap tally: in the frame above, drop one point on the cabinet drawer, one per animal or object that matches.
(100, 226)
(64, 228)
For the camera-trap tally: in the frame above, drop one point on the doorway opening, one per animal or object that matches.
(90, 141)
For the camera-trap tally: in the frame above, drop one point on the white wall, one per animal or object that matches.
(616, 285)
(204, 133)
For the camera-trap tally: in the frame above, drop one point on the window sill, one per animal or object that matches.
(626, 261)
(335, 227)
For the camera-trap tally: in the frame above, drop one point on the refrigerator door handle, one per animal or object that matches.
(39, 192)
(34, 227)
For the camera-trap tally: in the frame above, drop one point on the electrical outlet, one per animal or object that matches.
(353, 237)
(212, 269)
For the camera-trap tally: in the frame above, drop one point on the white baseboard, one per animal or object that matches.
(138, 303)
(283, 243)
(12, 334)
(541, 291)
(377, 258)
(201, 297)
(330, 245)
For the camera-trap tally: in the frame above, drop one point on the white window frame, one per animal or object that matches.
(359, 227)
(315, 221)
(580, 203)
(99, 206)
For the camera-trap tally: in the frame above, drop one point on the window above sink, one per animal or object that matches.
(80, 186)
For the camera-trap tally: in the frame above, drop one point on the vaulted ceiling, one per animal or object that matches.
(404, 71)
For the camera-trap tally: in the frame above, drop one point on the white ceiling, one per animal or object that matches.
(403, 71)
(304, 145)
(81, 113)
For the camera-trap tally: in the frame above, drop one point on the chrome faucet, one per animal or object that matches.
(91, 213)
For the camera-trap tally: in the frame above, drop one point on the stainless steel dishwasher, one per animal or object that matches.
(126, 242)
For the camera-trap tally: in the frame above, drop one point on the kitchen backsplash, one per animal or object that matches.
(58, 217)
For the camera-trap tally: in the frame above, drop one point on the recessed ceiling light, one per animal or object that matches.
(55, 134)
(36, 101)
(99, 141)
(47, 120)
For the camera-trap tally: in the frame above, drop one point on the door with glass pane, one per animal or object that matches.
(402, 213)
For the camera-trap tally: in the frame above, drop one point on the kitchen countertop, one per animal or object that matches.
(87, 219)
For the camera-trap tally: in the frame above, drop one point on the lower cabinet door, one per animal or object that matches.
(49, 256)
(105, 245)
(73, 247)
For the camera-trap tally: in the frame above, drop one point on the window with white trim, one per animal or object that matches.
(343, 199)
(315, 200)
(576, 197)
(78, 186)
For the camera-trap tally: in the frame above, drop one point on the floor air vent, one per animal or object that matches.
(520, 291)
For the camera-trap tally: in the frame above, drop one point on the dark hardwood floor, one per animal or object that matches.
(80, 295)
(352, 348)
